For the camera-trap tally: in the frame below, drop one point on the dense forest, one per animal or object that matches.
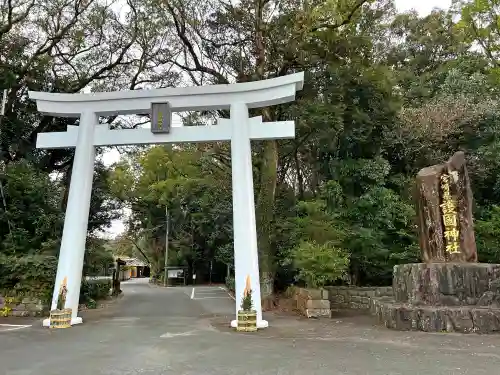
(385, 95)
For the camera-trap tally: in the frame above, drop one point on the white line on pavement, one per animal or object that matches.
(13, 327)
(197, 298)
(169, 335)
(192, 293)
(225, 290)
(213, 291)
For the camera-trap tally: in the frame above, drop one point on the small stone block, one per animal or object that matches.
(318, 304)
(324, 294)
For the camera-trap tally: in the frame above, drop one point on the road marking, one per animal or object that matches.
(169, 335)
(13, 327)
(198, 298)
(192, 294)
(225, 290)
(205, 292)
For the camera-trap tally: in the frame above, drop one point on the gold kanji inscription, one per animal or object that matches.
(450, 222)
(160, 120)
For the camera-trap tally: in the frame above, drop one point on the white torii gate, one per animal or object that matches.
(239, 129)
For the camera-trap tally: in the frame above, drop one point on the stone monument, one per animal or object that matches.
(450, 291)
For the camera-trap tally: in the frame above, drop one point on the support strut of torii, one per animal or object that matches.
(239, 129)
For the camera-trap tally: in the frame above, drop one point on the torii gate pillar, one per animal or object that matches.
(239, 129)
(74, 235)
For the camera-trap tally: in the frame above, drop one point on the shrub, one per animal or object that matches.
(91, 304)
(487, 228)
(94, 289)
(30, 275)
(230, 283)
(247, 302)
(319, 265)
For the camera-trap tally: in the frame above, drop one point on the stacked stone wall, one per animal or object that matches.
(355, 298)
(321, 302)
(21, 306)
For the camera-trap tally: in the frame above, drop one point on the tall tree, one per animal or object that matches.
(256, 39)
(188, 183)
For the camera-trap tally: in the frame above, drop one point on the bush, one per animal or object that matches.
(34, 276)
(230, 283)
(319, 265)
(30, 275)
(487, 228)
(94, 290)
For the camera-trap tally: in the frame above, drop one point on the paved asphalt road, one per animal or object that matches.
(152, 330)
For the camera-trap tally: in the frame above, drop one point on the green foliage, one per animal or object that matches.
(30, 232)
(385, 95)
(487, 230)
(200, 214)
(247, 302)
(359, 214)
(98, 257)
(93, 290)
(33, 214)
(31, 275)
(91, 304)
(318, 264)
(225, 255)
(9, 303)
(230, 283)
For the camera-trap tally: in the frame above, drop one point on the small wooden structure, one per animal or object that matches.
(247, 316)
(247, 321)
(60, 318)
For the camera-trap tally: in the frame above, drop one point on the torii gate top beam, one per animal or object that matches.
(255, 94)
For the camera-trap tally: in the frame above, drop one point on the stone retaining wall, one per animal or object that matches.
(355, 298)
(321, 302)
(21, 306)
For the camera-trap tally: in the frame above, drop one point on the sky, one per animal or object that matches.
(423, 7)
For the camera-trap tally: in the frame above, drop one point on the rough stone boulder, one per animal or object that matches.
(429, 199)
(447, 284)
(463, 319)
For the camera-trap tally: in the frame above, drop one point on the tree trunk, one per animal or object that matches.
(268, 174)
(300, 179)
(265, 213)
